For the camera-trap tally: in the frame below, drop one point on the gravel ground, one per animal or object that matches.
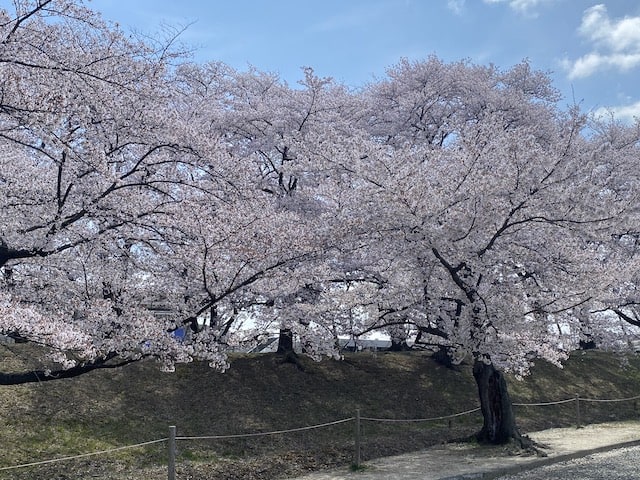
(621, 464)
(467, 460)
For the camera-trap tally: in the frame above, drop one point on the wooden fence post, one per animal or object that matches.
(578, 420)
(356, 459)
(172, 453)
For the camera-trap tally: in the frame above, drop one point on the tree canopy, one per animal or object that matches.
(153, 207)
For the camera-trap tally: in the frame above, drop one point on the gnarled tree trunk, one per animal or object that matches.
(399, 345)
(499, 421)
(285, 342)
(286, 348)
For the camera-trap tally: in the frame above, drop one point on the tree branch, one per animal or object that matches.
(35, 376)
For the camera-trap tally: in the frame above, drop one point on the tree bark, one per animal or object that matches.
(285, 342)
(286, 350)
(7, 253)
(587, 344)
(499, 421)
(442, 357)
(398, 345)
(38, 376)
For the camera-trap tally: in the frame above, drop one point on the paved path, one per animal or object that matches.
(465, 461)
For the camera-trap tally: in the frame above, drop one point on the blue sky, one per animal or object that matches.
(591, 48)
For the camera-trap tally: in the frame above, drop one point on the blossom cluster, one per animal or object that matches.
(153, 207)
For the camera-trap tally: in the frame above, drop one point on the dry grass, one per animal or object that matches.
(108, 409)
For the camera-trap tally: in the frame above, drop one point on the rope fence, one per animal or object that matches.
(569, 400)
(578, 404)
(84, 455)
(593, 400)
(417, 420)
(264, 434)
(173, 438)
(544, 404)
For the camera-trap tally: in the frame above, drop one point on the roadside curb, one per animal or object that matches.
(541, 462)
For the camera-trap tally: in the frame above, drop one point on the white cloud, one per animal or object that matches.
(525, 7)
(590, 63)
(626, 113)
(456, 6)
(616, 36)
(616, 43)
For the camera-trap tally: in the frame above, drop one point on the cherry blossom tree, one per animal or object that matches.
(453, 204)
(617, 311)
(132, 181)
(116, 199)
(497, 208)
(92, 179)
(284, 134)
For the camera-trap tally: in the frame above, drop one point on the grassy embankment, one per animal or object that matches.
(108, 409)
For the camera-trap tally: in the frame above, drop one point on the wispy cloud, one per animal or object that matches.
(456, 6)
(616, 43)
(626, 113)
(525, 7)
(358, 17)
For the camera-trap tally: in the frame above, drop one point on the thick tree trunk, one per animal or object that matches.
(587, 344)
(285, 342)
(442, 357)
(399, 345)
(499, 421)
(286, 350)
